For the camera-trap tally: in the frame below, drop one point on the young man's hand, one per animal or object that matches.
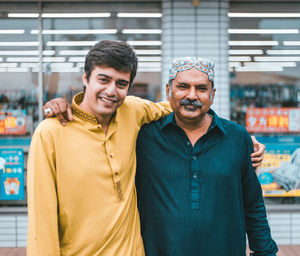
(60, 108)
(258, 155)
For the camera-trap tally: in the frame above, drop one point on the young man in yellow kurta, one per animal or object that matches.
(81, 192)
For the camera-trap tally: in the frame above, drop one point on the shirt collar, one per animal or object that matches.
(81, 113)
(216, 122)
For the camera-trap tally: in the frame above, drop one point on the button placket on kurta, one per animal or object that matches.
(113, 158)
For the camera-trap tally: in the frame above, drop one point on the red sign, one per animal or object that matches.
(273, 120)
(12, 122)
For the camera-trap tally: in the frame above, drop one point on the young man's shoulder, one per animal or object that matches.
(49, 125)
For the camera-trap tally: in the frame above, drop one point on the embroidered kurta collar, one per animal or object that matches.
(81, 113)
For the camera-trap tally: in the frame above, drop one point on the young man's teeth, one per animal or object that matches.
(106, 100)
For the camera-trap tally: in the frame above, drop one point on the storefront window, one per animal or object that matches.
(264, 61)
(18, 83)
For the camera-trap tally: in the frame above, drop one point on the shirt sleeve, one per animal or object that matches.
(152, 111)
(257, 227)
(43, 236)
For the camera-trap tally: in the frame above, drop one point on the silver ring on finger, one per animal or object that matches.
(47, 111)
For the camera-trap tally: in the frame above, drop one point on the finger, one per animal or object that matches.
(255, 165)
(69, 112)
(47, 114)
(257, 159)
(257, 154)
(58, 114)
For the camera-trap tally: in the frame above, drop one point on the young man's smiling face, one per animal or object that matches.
(106, 90)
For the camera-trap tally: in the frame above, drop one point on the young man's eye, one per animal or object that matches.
(122, 84)
(103, 80)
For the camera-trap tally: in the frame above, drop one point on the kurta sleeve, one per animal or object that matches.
(43, 234)
(257, 227)
(154, 111)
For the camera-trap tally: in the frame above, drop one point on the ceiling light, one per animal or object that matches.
(1, 59)
(71, 70)
(18, 53)
(22, 59)
(259, 69)
(139, 15)
(141, 31)
(54, 59)
(277, 58)
(148, 52)
(76, 15)
(291, 43)
(250, 52)
(73, 52)
(12, 31)
(149, 64)
(19, 43)
(14, 70)
(149, 58)
(77, 59)
(263, 31)
(264, 64)
(48, 52)
(235, 64)
(240, 43)
(8, 65)
(62, 65)
(144, 42)
(29, 65)
(80, 65)
(263, 15)
(76, 31)
(279, 52)
(23, 15)
(149, 70)
(239, 58)
(71, 43)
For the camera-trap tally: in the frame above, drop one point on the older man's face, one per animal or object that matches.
(191, 95)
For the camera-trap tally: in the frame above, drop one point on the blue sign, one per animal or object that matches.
(12, 174)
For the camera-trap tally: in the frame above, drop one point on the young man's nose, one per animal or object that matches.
(111, 89)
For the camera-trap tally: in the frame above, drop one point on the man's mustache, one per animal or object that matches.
(194, 103)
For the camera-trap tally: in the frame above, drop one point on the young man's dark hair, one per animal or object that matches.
(115, 54)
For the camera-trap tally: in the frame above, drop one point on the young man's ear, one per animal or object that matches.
(84, 80)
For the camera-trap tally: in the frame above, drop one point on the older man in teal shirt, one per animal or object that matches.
(198, 193)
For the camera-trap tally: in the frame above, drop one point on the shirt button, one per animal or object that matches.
(195, 176)
(112, 155)
(116, 173)
(194, 157)
(188, 143)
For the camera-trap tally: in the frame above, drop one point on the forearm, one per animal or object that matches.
(257, 227)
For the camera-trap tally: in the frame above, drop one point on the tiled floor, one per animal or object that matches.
(284, 250)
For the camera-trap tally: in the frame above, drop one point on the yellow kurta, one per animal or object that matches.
(81, 192)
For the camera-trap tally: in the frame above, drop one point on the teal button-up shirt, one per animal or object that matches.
(199, 200)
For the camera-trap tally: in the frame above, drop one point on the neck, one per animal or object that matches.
(194, 129)
(103, 120)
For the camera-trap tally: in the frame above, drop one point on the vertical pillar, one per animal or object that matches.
(40, 74)
(198, 28)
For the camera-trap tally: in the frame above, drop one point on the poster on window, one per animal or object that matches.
(279, 173)
(12, 174)
(12, 122)
(273, 120)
